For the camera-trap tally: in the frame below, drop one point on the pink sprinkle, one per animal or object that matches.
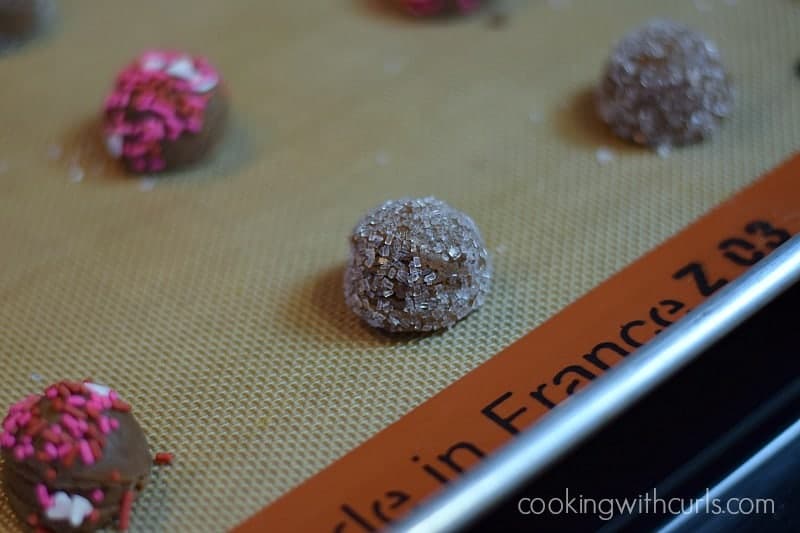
(72, 425)
(10, 423)
(78, 401)
(29, 450)
(83, 426)
(26, 439)
(97, 495)
(86, 453)
(161, 108)
(56, 429)
(134, 150)
(139, 165)
(114, 423)
(7, 440)
(45, 500)
(19, 453)
(24, 418)
(194, 124)
(52, 392)
(105, 427)
(144, 101)
(64, 449)
(51, 450)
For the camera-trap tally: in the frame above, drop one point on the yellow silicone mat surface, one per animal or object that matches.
(212, 299)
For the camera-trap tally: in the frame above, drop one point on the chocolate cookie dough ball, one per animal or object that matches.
(416, 265)
(664, 85)
(167, 111)
(22, 19)
(435, 8)
(75, 458)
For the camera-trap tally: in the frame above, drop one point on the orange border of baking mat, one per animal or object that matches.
(387, 475)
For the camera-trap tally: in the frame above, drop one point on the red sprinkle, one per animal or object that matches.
(92, 411)
(96, 450)
(163, 458)
(125, 510)
(74, 411)
(115, 475)
(50, 474)
(50, 436)
(94, 516)
(33, 520)
(35, 427)
(70, 457)
(119, 405)
(63, 391)
(93, 432)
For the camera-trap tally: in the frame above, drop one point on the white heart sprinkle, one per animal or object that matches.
(100, 390)
(152, 63)
(81, 508)
(182, 68)
(75, 508)
(204, 84)
(61, 508)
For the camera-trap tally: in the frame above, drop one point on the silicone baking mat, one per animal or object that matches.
(212, 299)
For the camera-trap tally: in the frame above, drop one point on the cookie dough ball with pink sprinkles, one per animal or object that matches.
(167, 111)
(436, 8)
(75, 458)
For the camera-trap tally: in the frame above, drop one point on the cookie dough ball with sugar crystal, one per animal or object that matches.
(416, 265)
(435, 8)
(167, 110)
(664, 85)
(75, 458)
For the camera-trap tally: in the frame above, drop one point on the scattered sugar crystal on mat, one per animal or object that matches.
(147, 184)
(54, 151)
(702, 5)
(37, 377)
(382, 158)
(604, 156)
(395, 66)
(664, 84)
(76, 173)
(535, 117)
(663, 151)
(416, 265)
